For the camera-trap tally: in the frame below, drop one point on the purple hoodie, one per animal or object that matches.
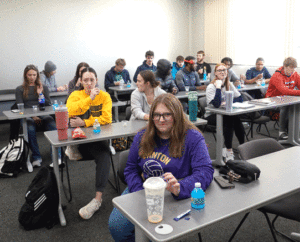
(194, 165)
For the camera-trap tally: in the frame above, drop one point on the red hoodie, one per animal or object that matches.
(280, 84)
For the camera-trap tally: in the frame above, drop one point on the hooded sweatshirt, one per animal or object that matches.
(143, 67)
(280, 84)
(164, 76)
(110, 77)
(175, 69)
(186, 78)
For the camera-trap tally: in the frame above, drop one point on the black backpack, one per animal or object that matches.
(41, 206)
(13, 157)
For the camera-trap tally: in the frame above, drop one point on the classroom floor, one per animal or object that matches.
(82, 173)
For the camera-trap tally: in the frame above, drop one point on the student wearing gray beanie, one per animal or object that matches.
(48, 78)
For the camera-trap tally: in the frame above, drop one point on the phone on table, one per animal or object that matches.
(224, 182)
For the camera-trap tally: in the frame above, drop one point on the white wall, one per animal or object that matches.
(68, 32)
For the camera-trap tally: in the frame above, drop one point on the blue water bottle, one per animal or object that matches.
(193, 105)
(96, 127)
(263, 82)
(204, 74)
(55, 105)
(198, 197)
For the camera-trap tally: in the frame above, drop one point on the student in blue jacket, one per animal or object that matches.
(177, 66)
(175, 147)
(147, 64)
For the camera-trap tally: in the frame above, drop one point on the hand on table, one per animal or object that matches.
(172, 184)
(203, 87)
(174, 90)
(260, 76)
(117, 83)
(37, 120)
(76, 122)
(94, 92)
(200, 71)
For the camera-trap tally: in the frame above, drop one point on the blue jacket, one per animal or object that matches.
(185, 78)
(175, 69)
(167, 84)
(110, 78)
(143, 67)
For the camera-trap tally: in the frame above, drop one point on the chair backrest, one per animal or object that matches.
(259, 147)
(128, 113)
(203, 105)
(122, 164)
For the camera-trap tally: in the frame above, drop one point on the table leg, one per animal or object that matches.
(116, 110)
(25, 135)
(56, 172)
(139, 235)
(116, 94)
(220, 141)
(293, 138)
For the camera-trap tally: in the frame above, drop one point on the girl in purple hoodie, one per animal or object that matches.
(170, 146)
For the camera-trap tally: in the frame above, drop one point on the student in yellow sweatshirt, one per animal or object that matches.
(84, 107)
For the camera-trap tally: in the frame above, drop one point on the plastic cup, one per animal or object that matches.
(62, 121)
(34, 108)
(155, 193)
(187, 88)
(229, 100)
(21, 108)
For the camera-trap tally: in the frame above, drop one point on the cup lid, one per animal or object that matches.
(154, 183)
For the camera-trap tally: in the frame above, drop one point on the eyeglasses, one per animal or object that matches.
(222, 70)
(166, 116)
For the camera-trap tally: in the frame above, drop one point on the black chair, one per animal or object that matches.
(207, 127)
(287, 207)
(128, 113)
(254, 118)
(121, 167)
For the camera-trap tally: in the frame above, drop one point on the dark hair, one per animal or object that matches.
(26, 83)
(149, 53)
(290, 61)
(201, 52)
(189, 58)
(163, 68)
(178, 132)
(259, 59)
(87, 69)
(227, 59)
(179, 58)
(121, 62)
(78, 69)
(149, 76)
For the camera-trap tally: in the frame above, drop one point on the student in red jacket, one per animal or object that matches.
(285, 81)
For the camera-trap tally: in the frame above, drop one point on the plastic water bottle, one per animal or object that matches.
(41, 102)
(198, 197)
(263, 82)
(122, 83)
(96, 127)
(128, 83)
(55, 105)
(204, 74)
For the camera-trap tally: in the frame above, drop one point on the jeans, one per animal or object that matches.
(47, 124)
(284, 119)
(100, 152)
(121, 229)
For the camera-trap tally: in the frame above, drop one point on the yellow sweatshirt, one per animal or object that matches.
(79, 103)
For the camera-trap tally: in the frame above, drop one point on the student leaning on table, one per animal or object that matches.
(28, 94)
(215, 92)
(283, 82)
(142, 97)
(170, 145)
(84, 107)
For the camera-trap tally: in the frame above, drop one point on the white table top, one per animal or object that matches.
(279, 102)
(124, 88)
(279, 178)
(109, 131)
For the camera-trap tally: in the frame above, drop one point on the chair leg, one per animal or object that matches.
(282, 234)
(238, 227)
(117, 185)
(200, 238)
(270, 226)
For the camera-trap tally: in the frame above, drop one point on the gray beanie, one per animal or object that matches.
(50, 66)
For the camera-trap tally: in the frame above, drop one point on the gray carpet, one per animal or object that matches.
(82, 174)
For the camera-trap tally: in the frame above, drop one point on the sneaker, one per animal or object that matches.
(229, 155)
(60, 164)
(87, 211)
(283, 136)
(37, 163)
(29, 166)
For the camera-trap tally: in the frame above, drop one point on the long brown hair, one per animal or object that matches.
(178, 132)
(26, 82)
(149, 76)
(227, 83)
